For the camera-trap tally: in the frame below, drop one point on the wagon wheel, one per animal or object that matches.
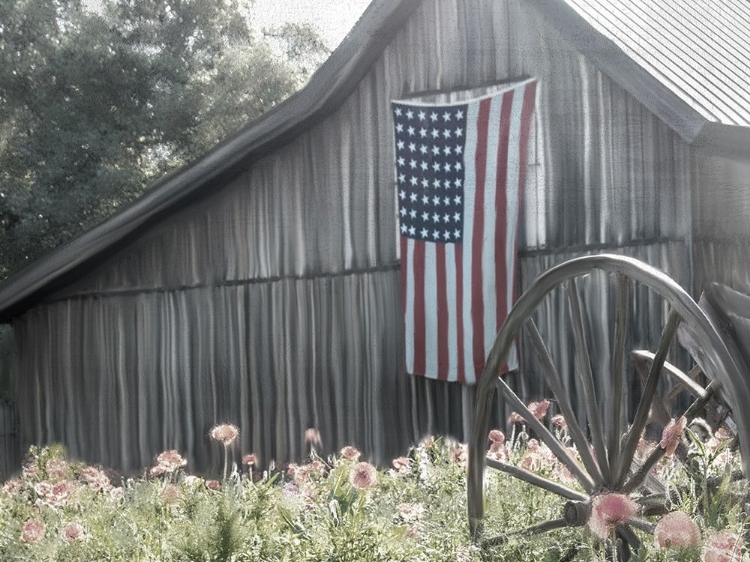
(612, 466)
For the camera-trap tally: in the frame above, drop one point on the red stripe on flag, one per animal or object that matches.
(501, 212)
(419, 314)
(461, 375)
(477, 300)
(442, 310)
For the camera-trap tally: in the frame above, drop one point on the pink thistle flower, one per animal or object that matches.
(116, 494)
(498, 452)
(496, 436)
(413, 531)
(350, 453)
(607, 510)
(539, 409)
(427, 442)
(30, 471)
(43, 489)
(191, 480)
(213, 484)
(402, 465)
(563, 474)
(559, 421)
(670, 437)
(95, 478)
(300, 473)
(410, 512)
(32, 531)
(460, 455)
(158, 470)
(531, 461)
(73, 532)
(12, 486)
(291, 490)
(171, 493)
(226, 433)
(170, 460)
(515, 417)
(722, 434)
(677, 530)
(318, 466)
(61, 492)
(57, 469)
(249, 460)
(363, 475)
(55, 495)
(719, 437)
(723, 546)
(312, 436)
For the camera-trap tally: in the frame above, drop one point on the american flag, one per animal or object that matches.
(460, 169)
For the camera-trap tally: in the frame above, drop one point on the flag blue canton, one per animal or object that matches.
(430, 169)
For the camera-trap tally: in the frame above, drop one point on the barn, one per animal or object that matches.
(261, 284)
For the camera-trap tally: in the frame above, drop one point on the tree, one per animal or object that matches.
(95, 105)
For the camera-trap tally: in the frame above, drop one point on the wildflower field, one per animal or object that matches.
(342, 508)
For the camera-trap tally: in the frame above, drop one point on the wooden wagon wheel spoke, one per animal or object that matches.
(531, 478)
(547, 437)
(545, 527)
(553, 380)
(618, 367)
(628, 536)
(587, 379)
(656, 455)
(647, 396)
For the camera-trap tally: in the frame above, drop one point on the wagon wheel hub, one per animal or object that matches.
(576, 513)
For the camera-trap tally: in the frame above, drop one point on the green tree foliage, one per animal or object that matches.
(96, 104)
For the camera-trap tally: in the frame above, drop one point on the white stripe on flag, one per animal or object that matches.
(431, 310)
(512, 198)
(408, 259)
(489, 287)
(450, 282)
(470, 187)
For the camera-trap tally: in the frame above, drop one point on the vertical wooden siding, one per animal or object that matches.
(722, 222)
(275, 304)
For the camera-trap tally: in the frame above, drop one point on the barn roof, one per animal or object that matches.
(699, 49)
(686, 62)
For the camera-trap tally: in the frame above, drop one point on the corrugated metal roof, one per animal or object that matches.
(699, 49)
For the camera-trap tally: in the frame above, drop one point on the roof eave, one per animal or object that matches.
(323, 94)
(617, 65)
(729, 141)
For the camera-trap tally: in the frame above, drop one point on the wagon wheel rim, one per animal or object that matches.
(612, 472)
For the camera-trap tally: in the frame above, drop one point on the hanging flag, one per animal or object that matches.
(460, 169)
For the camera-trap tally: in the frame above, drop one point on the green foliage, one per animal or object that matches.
(95, 105)
(312, 513)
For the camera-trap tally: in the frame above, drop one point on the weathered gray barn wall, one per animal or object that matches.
(610, 177)
(10, 447)
(722, 221)
(275, 304)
